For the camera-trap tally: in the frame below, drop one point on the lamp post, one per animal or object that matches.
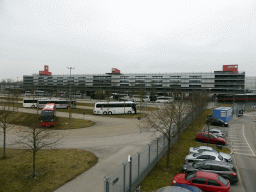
(70, 68)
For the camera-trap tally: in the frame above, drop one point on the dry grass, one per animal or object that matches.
(53, 168)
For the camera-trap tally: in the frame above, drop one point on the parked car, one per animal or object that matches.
(188, 187)
(204, 180)
(217, 132)
(203, 137)
(206, 155)
(226, 170)
(216, 121)
(200, 149)
(172, 189)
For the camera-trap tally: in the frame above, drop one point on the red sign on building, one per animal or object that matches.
(45, 71)
(233, 68)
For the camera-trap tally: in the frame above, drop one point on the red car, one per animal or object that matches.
(206, 181)
(203, 137)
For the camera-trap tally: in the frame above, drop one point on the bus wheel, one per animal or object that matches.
(129, 112)
(33, 106)
(110, 113)
(104, 113)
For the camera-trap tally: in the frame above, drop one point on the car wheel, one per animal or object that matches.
(104, 113)
(219, 143)
(110, 113)
(200, 140)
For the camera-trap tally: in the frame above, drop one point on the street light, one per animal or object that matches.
(70, 68)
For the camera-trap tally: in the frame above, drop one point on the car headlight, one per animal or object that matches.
(174, 181)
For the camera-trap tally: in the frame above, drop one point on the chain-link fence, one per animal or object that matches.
(129, 175)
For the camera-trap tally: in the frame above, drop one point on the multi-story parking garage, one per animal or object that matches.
(229, 80)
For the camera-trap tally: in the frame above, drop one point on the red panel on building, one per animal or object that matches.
(114, 70)
(233, 68)
(45, 71)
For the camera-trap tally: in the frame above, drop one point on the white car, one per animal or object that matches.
(201, 149)
(217, 132)
(206, 155)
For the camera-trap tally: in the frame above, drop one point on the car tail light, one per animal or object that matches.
(233, 174)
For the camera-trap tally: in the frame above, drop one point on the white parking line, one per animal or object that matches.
(241, 149)
(243, 154)
(247, 142)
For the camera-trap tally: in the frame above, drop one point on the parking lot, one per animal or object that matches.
(241, 140)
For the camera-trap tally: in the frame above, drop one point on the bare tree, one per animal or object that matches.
(35, 138)
(5, 117)
(162, 121)
(182, 108)
(99, 94)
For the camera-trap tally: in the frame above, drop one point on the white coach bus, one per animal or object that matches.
(104, 108)
(30, 102)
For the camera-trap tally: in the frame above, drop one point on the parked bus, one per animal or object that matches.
(237, 97)
(48, 115)
(163, 99)
(30, 102)
(104, 108)
(59, 103)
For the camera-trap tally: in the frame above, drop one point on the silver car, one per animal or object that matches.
(217, 132)
(201, 149)
(205, 155)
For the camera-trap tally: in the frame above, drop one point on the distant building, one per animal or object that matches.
(229, 80)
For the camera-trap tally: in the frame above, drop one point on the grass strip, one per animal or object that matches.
(61, 123)
(160, 176)
(54, 168)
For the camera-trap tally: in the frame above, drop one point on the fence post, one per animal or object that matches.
(130, 176)
(157, 148)
(138, 168)
(148, 158)
(164, 144)
(124, 178)
(107, 184)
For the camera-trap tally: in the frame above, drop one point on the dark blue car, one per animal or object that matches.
(188, 187)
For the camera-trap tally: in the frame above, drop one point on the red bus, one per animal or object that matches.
(48, 115)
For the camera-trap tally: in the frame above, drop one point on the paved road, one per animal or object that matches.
(242, 139)
(110, 139)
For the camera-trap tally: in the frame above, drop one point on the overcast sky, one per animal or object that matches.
(135, 36)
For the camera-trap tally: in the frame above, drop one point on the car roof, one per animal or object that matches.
(218, 163)
(215, 130)
(209, 153)
(205, 133)
(189, 187)
(172, 189)
(206, 174)
(205, 147)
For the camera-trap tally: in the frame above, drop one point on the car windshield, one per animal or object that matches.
(190, 176)
(220, 157)
(196, 154)
(197, 164)
(222, 180)
(195, 148)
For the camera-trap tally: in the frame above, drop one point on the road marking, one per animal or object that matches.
(244, 154)
(247, 142)
(241, 149)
